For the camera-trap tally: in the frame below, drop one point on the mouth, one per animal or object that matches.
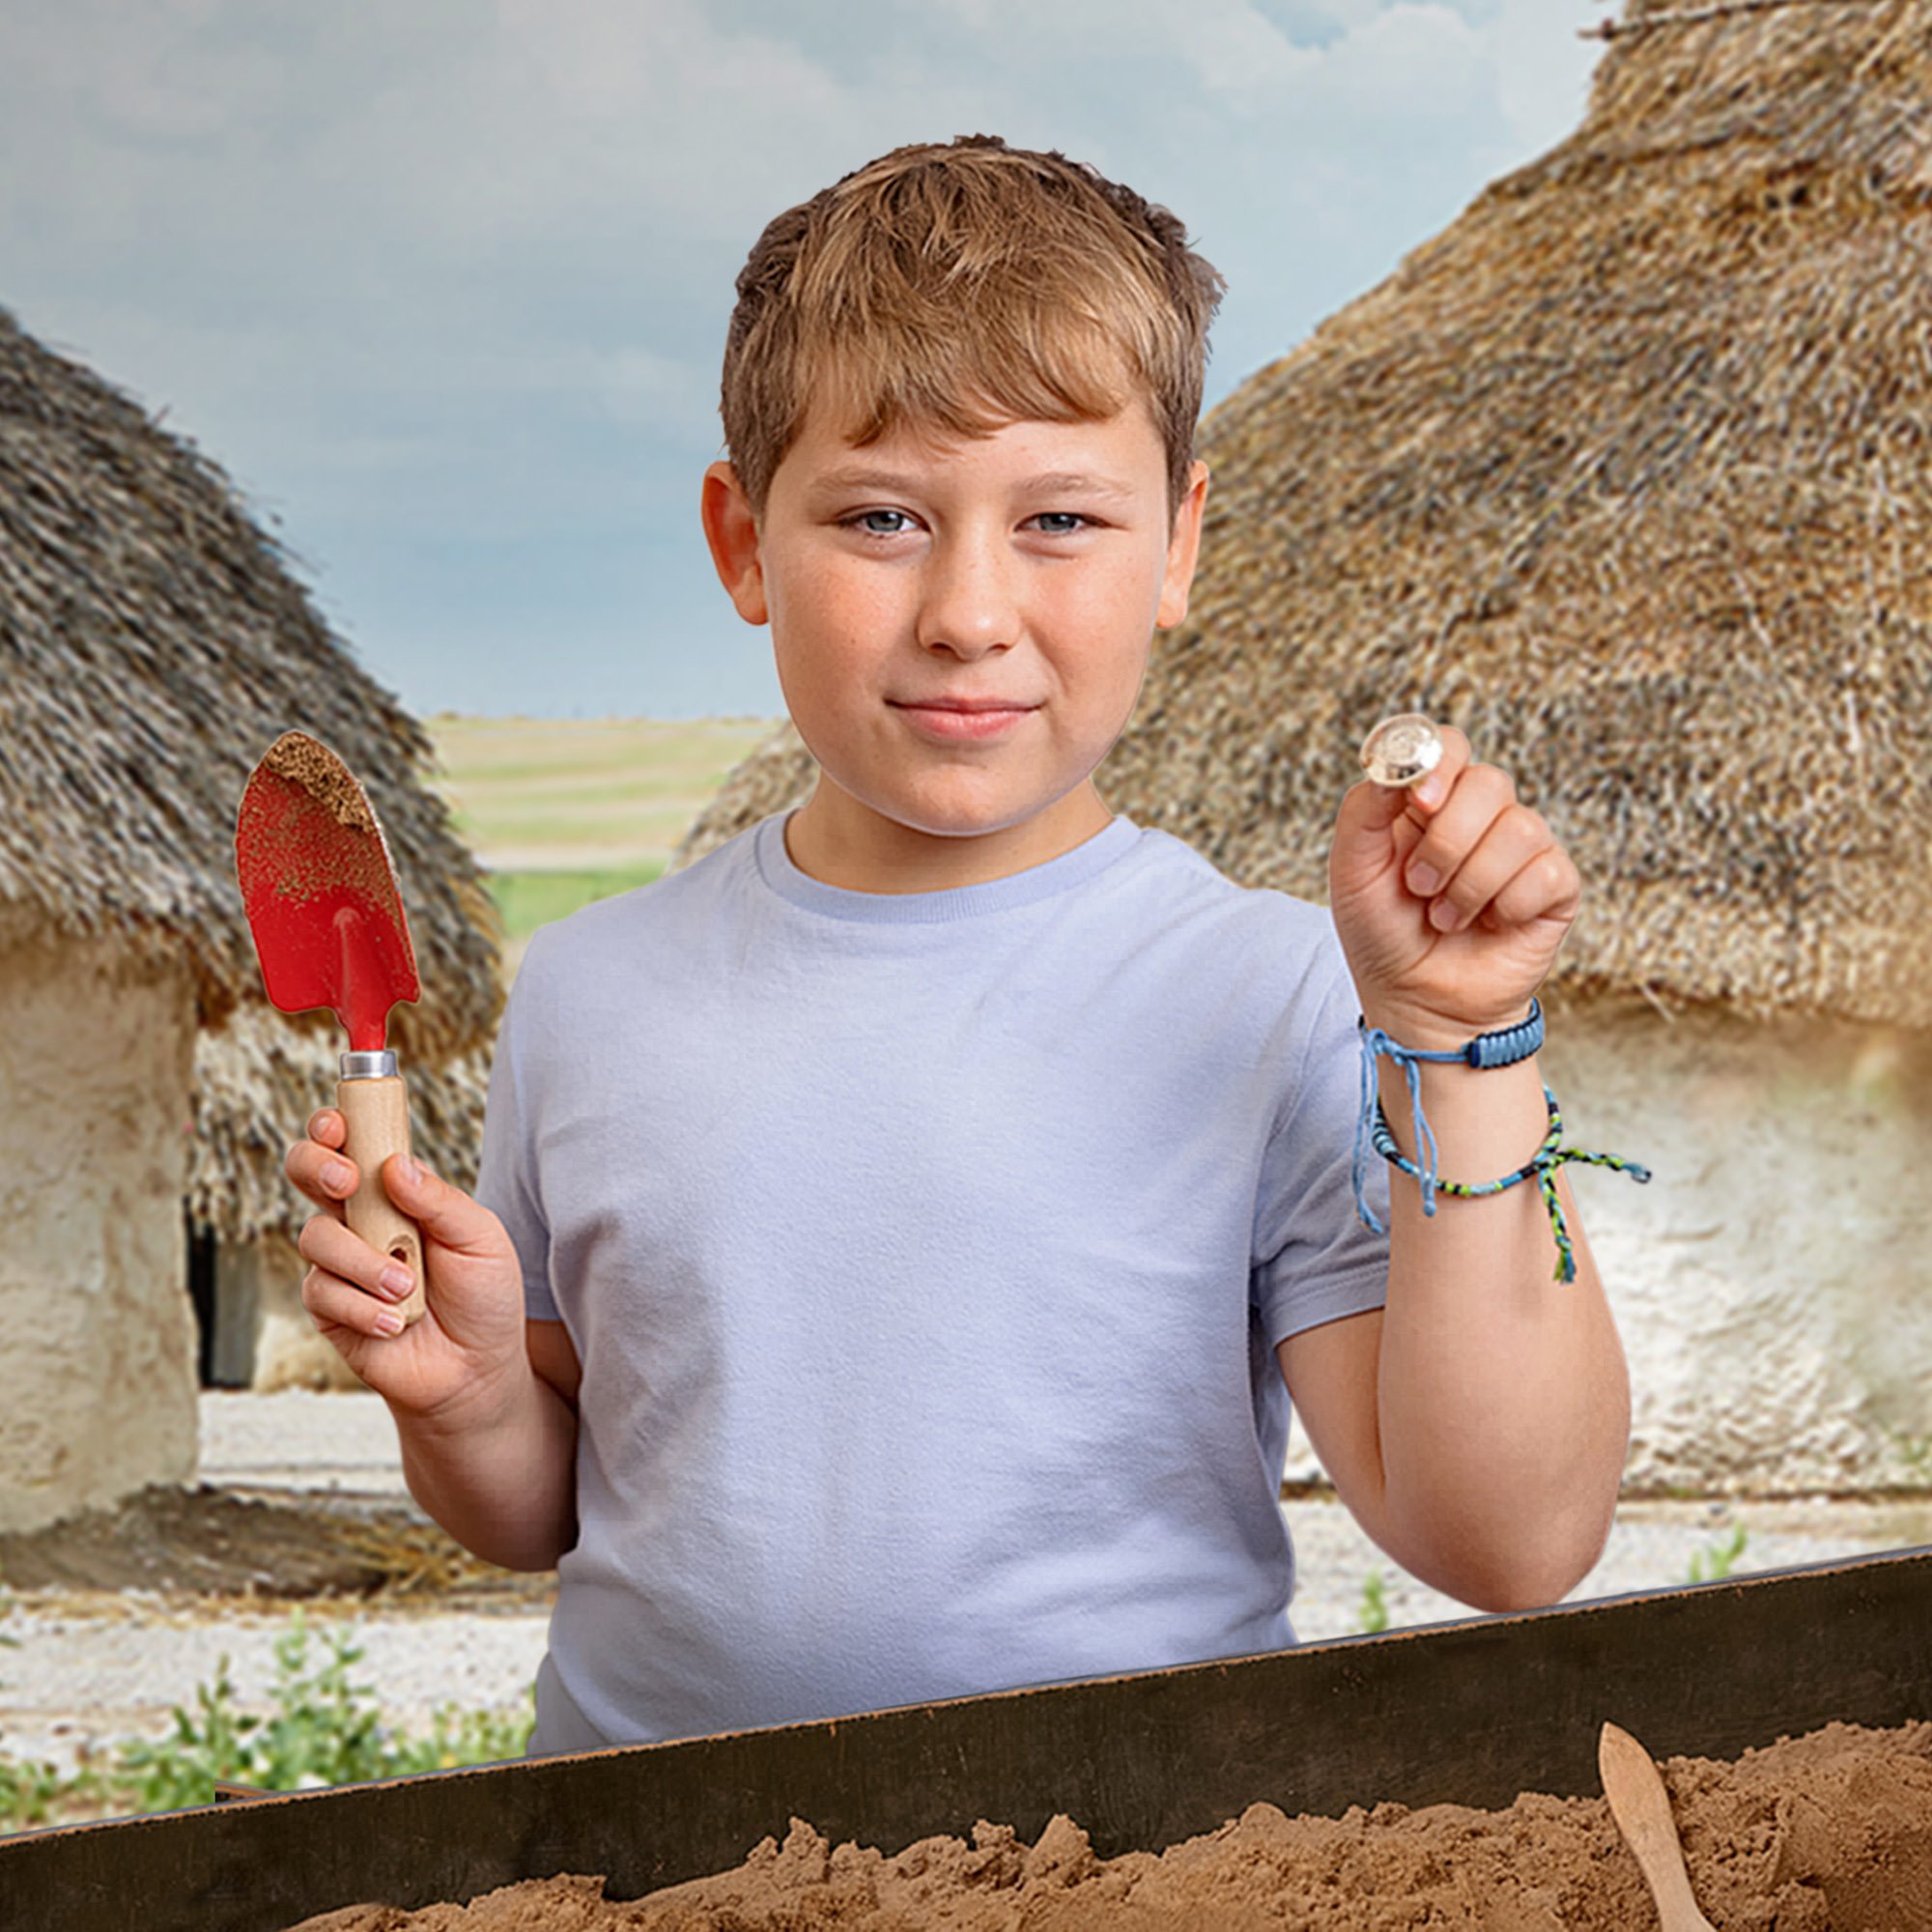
(962, 719)
(972, 707)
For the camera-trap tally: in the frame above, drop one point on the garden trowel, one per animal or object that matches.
(322, 901)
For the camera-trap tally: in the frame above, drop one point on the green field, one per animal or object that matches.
(564, 811)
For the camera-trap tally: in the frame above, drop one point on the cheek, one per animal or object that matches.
(1126, 604)
(1119, 631)
(804, 630)
(828, 638)
(828, 612)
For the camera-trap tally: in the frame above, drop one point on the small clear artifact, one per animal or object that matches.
(1401, 750)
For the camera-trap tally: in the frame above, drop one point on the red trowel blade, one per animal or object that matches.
(320, 890)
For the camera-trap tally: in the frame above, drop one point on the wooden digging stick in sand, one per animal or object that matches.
(1641, 1808)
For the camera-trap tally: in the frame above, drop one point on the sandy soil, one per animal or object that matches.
(1827, 1832)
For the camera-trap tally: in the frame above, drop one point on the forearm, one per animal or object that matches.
(1503, 1398)
(500, 1476)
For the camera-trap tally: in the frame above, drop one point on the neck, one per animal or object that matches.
(838, 842)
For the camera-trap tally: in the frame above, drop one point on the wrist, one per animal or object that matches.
(1423, 1030)
(476, 1408)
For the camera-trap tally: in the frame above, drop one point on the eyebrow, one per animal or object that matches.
(1068, 482)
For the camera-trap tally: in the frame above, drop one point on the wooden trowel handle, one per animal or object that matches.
(376, 1114)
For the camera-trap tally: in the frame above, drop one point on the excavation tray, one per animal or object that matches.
(1471, 1713)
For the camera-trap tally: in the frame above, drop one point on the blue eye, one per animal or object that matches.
(1070, 522)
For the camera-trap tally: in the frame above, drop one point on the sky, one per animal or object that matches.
(442, 285)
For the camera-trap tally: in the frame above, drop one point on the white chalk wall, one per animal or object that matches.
(1773, 1283)
(98, 1393)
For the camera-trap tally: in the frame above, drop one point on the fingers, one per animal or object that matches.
(1547, 886)
(1374, 819)
(443, 1212)
(349, 1282)
(1484, 855)
(348, 1285)
(318, 1168)
(1425, 797)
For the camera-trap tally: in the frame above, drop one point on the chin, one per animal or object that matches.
(962, 825)
(956, 819)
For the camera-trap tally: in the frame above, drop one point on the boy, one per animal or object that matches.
(906, 1226)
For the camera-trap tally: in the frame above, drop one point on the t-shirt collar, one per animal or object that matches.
(1017, 889)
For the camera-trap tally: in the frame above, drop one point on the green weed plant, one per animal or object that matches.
(1374, 1615)
(325, 1731)
(1714, 1561)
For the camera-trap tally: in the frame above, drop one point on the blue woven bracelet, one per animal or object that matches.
(1501, 1048)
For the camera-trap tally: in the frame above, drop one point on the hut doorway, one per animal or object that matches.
(226, 1310)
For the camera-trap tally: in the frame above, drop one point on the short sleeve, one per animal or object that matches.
(504, 1181)
(1314, 1259)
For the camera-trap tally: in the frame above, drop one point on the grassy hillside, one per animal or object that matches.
(564, 811)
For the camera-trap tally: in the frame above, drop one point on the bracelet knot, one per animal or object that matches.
(1501, 1048)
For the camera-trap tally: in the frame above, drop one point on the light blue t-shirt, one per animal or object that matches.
(925, 1254)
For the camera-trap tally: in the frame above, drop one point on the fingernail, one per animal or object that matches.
(397, 1281)
(411, 1169)
(1423, 881)
(1445, 915)
(389, 1323)
(1432, 791)
(336, 1176)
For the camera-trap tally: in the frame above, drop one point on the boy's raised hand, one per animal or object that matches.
(1440, 958)
(470, 1334)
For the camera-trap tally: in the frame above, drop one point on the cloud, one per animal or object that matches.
(456, 273)
(1233, 47)
(157, 73)
(1543, 67)
(1410, 64)
(1238, 53)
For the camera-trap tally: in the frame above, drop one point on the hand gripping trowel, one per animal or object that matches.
(320, 897)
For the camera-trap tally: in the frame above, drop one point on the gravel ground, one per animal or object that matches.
(92, 1669)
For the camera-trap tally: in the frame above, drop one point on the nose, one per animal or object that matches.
(969, 595)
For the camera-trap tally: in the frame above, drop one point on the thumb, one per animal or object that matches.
(1373, 832)
(439, 1209)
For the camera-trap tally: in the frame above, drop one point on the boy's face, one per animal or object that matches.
(1031, 568)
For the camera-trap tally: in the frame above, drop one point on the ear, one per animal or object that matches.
(1182, 548)
(732, 534)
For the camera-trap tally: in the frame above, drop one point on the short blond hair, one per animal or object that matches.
(956, 288)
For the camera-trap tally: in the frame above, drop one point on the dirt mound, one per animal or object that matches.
(206, 1542)
(1827, 1832)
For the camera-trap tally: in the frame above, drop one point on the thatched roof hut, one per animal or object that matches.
(153, 644)
(1626, 473)
(1629, 474)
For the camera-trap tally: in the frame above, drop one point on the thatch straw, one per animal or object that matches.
(1655, 21)
(153, 645)
(1626, 474)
